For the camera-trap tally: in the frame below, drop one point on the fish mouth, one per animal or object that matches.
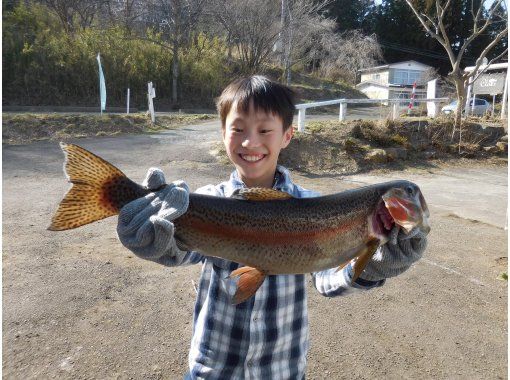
(381, 222)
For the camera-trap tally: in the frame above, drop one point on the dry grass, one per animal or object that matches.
(340, 147)
(25, 128)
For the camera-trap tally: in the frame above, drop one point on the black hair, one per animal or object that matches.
(267, 95)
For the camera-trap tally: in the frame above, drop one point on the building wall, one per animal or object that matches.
(377, 76)
(374, 92)
(395, 73)
(409, 66)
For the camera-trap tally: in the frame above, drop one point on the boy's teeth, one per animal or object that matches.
(252, 158)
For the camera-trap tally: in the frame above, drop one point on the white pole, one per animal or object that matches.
(431, 94)
(493, 104)
(343, 111)
(505, 96)
(127, 108)
(151, 94)
(395, 111)
(467, 97)
(301, 119)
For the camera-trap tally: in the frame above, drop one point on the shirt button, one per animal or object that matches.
(250, 363)
(255, 319)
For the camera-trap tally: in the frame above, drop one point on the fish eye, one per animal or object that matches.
(410, 190)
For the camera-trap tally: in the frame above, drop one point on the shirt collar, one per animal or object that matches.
(281, 181)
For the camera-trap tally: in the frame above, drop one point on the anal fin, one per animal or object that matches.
(250, 280)
(362, 260)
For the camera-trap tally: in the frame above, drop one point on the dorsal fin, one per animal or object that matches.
(260, 194)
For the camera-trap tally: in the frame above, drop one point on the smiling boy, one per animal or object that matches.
(267, 336)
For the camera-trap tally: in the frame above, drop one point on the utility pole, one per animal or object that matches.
(286, 40)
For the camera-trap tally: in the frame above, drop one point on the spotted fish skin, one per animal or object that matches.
(283, 236)
(267, 230)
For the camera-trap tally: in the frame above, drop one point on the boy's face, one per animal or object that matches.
(253, 142)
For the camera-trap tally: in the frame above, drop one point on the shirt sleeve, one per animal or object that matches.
(334, 282)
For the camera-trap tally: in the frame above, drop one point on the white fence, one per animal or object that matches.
(431, 106)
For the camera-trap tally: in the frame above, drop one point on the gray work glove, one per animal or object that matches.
(145, 224)
(396, 256)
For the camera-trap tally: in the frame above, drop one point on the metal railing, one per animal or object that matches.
(432, 108)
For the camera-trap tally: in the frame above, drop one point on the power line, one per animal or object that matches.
(413, 51)
(423, 52)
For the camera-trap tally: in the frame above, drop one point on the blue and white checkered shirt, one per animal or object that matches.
(265, 337)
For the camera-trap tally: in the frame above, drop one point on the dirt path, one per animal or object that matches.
(77, 305)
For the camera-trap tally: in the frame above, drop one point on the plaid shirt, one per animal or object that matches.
(265, 337)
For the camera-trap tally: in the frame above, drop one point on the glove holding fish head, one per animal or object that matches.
(404, 214)
(396, 256)
(145, 224)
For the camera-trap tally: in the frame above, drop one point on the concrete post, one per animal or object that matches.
(127, 107)
(343, 111)
(151, 94)
(505, 97)
(395, 111)
(431, 94)
(468, 95)
(301, 119)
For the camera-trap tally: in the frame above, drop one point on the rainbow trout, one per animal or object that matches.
(268, 231)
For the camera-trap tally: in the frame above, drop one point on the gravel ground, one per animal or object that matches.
(77, 305)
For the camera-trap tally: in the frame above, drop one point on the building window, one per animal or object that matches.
(376, 76)
(414, 76)
(406, 77)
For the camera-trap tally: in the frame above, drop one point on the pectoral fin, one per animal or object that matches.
(250, 280)
(342, 266)
(362, 260)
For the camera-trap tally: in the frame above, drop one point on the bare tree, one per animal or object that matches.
(127, 13)
(176, 21)
(428, 75)
(302, 23)
(483, 18)
(68, 10)
(342, 55)
(252, 27)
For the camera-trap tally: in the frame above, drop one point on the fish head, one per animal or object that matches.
(407, 207)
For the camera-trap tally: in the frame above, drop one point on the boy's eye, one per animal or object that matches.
(236, 129)
(265, 131)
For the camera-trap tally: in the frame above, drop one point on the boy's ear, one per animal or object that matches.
(287, 136)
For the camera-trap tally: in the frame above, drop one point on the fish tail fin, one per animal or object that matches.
(98, 190)
(250, 280)
(362, 260)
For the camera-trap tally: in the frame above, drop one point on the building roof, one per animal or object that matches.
(381, 67)
(492, 66)
(371, 82)
(389, 85)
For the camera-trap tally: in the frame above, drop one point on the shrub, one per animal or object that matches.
(44, 65)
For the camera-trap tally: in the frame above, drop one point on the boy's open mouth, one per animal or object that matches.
(252, 157)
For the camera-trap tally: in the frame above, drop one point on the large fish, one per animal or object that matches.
(268, 231)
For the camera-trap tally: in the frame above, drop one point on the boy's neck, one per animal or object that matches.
(267, 182)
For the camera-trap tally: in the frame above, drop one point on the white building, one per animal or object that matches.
(394, 80)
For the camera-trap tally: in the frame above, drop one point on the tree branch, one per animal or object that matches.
(475, 77)
(487, 49)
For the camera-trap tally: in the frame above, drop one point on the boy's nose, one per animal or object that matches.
(250, 141)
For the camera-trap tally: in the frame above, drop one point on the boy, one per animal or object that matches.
(265, 337)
